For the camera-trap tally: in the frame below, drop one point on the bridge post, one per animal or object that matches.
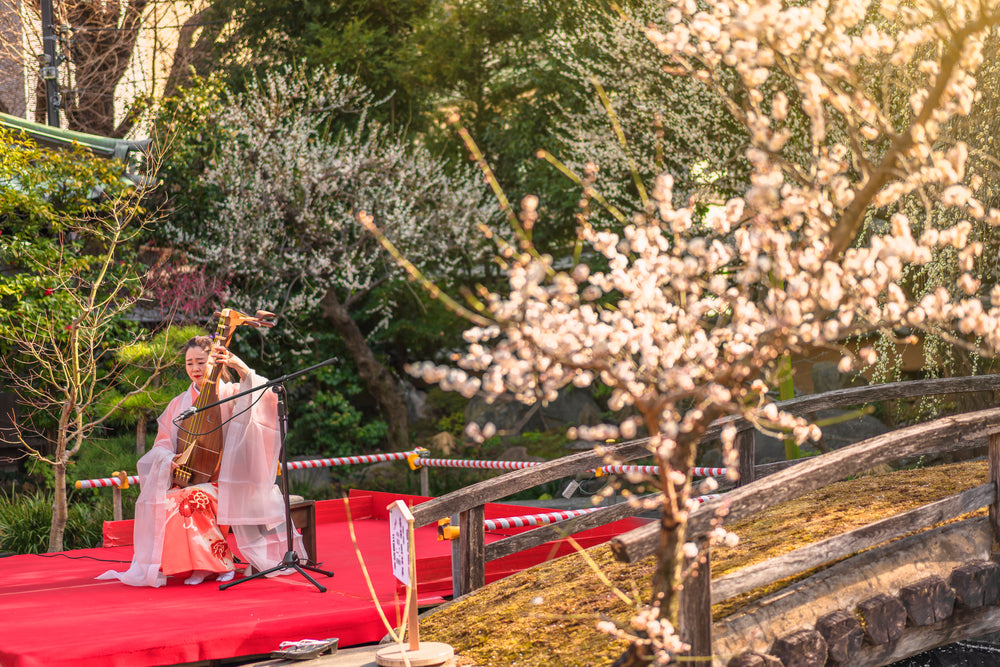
(471, 547)
(746, 445)
(993, 457)
(695, 618)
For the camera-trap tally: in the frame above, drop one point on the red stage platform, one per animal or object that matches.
(53, 612)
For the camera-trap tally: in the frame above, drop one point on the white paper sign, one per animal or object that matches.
(399, 538)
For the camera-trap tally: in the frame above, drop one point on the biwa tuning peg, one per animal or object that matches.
(264, 318)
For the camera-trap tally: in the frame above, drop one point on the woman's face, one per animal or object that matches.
(195, 361)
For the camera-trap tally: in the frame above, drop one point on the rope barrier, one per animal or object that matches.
(351, 460)
(416, 461)
(105, 482)
(709, 472)
(479, 465)
(553, 517)
(292, 465)
(536, 519)
(654, 470)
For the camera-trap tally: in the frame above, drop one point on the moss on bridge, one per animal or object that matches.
(548, 614)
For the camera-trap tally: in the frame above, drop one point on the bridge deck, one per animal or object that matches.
(55, 613)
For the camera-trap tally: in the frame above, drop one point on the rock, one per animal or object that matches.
(386, 475)
(573, 407)
(826, 377)
(752, 659)
(416, 401)
(843, 635)
(841, 434)
(848, 432)
(928, 601)
(582, 445)
(883, 619)
(444, 443)
(976, 584)
(509, 416)
(518, 454)
(315, 478)
(805, 648)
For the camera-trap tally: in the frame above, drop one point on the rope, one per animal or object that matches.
(104, 482)
(480, 465)
(553, 517)
(416, 462)
(292, 465)
(536, 519)
(654, 470)
(520, 465)
(349, 460)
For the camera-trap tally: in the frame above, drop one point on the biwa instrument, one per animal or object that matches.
(200, 439)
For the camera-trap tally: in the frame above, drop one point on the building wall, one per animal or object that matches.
(12, 99)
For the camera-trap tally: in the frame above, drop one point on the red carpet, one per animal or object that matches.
(55, 613)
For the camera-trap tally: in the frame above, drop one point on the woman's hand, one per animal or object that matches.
(224, 357)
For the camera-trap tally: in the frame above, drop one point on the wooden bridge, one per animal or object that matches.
(883, 592)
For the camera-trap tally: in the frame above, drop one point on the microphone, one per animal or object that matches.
(185, 414)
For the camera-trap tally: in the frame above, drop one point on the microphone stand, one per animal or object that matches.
(291, 560)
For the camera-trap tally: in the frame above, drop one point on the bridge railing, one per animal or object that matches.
(940, 436)
(469, 503)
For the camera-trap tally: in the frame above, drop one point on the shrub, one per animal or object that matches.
(25, 521)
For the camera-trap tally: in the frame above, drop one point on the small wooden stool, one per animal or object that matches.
(304, 518)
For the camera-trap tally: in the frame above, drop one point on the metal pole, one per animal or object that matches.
(50, 68)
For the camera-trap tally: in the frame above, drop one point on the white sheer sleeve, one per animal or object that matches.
(249, 500)
(155, 477)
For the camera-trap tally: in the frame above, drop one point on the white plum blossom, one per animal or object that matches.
(290, 183)
(684, 315)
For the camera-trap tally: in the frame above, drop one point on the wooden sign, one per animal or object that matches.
(400, 520)
(404, 561)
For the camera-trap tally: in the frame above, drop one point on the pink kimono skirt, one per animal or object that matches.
(193, 540)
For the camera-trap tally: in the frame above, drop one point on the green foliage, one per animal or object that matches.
(25, 520)
(68, 231)
(328, 424)
(421, 327)
(41, 192)
(98, 460)
(193, 145)
(365, 38)
(140, 359)
(40, 186)
(497, 63)
(24, 523)
(42, 474)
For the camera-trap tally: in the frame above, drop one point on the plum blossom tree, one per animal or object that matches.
(294, 158)
(694, 302)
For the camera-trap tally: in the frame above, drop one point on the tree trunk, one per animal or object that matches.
(670, 561)
(103, 44)
(195, 43)
(378, 380)
(60, 511)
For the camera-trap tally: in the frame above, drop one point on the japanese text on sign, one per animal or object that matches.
(399, 538)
